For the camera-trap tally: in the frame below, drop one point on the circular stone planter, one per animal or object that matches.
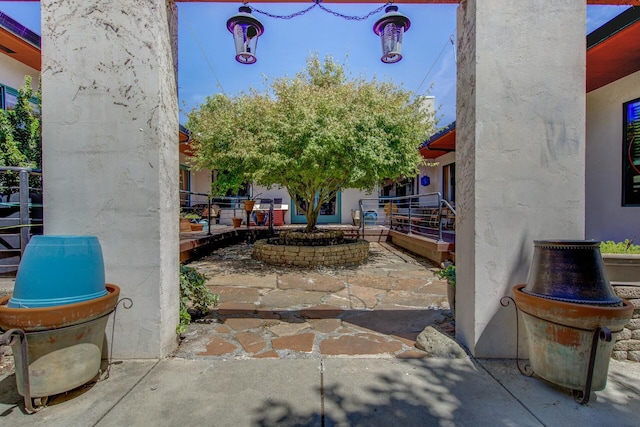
(348, 252)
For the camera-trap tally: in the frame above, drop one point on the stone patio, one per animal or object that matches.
(376, 309)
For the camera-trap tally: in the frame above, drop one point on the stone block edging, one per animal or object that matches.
(310, 256)
(627, 346)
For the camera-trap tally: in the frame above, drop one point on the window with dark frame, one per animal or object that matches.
(631, 153)
(9, 98)
(399, 188)
(449, 182)
(185, 185)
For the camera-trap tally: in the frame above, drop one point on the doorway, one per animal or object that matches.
(329, 212)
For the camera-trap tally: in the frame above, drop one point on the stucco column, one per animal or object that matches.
(110, 150)
(520, 152)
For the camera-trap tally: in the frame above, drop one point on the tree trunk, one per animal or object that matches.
(312, 217)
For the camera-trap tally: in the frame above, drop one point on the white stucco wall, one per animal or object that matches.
(12, 73)
(200, 179)
(350, 199)
(520, 149)
(201, 183)
(606, 218)
(110, 124)
(435, 174)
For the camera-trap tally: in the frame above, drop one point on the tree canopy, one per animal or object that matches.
(20, 137)
(315, 134)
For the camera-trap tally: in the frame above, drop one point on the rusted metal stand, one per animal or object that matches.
(601, 333)
(11, 337)
(527, 371)
(126, 303)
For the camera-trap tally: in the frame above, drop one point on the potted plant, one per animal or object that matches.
(621, 262)
(195, 297)
(185, 223)
(250, 202)
(196, 226)
(260, 216)
(448, 272)
(190, 225)
(622, 266)
(248, 205)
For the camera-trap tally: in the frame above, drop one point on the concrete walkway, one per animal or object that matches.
(331, 392)
(327, 347)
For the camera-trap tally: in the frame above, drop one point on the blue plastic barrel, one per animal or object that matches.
(59, 270)
(370, 217)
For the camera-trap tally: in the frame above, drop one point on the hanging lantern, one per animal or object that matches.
(390, 27)
(245, 29)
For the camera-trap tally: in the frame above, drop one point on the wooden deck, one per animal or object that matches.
(433, 249)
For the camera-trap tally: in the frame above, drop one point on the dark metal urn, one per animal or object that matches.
(570, 271)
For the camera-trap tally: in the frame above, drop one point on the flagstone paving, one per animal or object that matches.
(376, 309)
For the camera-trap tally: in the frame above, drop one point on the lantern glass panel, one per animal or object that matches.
(245, 37)
(391, 38)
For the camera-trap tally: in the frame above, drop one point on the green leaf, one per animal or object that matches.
(194, 293)
(318, 132)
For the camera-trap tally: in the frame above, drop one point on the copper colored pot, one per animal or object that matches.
(560, 337)
(46, 318)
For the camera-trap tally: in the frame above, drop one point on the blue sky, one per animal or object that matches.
(206, 63)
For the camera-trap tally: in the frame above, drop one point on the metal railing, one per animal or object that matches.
(227, 208)
(427, 215)
(26, 202)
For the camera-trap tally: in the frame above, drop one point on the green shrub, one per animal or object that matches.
(194, 293)
(448, 273)
(626, 247)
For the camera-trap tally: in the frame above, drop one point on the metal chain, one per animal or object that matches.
(353, 18)
(293, 15)
(317, 3)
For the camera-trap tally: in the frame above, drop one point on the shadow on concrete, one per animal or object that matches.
(410, 393)
(9, 392)
(9, 395)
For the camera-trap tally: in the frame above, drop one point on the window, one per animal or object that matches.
(185, 185)
(449, 182)
(9, 98)
(404, 187)
(631, 153)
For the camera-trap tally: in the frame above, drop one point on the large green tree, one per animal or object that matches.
(315, 134)
(20, 136)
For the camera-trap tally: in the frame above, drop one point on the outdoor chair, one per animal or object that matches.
(390, 209)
